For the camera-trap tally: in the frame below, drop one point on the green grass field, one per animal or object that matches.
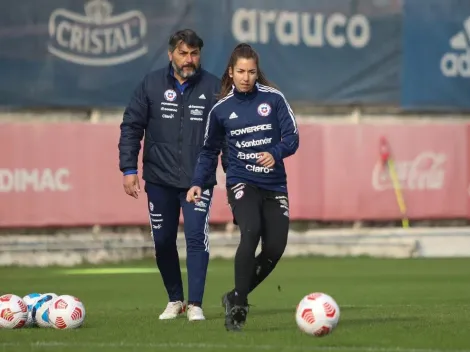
(416, 305)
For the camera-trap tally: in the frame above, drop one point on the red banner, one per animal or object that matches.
(67, 174)
(429, 162)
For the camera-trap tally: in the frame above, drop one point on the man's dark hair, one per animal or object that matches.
(187, 36)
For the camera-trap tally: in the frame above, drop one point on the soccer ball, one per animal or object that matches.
(40, 311)
(30, 300)
(66, 312)
(53, 295)
(317, 314)
(13, 312)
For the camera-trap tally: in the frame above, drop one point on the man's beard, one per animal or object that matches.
(181, 72)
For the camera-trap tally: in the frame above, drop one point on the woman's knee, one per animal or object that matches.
(274, 254)
(274, 247)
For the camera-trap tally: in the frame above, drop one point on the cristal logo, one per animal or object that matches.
(97, 38)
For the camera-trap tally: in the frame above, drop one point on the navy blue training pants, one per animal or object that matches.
(164, 205)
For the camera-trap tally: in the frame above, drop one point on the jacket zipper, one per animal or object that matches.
(180, 138)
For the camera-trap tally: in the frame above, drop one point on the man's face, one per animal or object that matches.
(185, 60)
(244, 74)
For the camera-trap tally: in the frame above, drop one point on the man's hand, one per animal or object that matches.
(265, 159)
(131, 185)
(194, 194)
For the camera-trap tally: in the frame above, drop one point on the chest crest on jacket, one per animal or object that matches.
(264, 109)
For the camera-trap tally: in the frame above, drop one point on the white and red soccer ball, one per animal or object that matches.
(13, 312)
(66, 312)
(317, 314)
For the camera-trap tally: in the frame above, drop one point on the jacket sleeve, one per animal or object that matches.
(224, 156)
(133, 125)
(289, 133)
(209, 155)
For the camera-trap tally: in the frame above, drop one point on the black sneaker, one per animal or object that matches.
(228, 303)
(236, 318)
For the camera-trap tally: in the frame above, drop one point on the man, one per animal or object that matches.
(171, 106)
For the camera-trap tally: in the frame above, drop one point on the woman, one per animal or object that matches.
(260, 130)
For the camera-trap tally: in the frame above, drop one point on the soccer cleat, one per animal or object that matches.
(236, 318)
(195, 313)
(228, 303)
(173, 310)
(230, 326)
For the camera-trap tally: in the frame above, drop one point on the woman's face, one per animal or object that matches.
(244, 74)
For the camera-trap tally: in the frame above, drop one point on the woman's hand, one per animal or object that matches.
(266, 159)
(194, 194)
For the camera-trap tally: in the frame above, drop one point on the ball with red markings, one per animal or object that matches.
(66, 312)
(13, 312)
(317, 314)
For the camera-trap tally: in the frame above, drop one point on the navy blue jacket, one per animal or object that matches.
(259, 121)
(173, 119)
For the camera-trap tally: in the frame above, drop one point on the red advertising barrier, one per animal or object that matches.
(430, 161)
(67, 174)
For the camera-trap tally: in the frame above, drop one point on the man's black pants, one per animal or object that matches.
(260, 214)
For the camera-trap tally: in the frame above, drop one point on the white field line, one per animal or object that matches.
(371, 306)
(208, 346)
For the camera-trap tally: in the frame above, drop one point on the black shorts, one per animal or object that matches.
(244, 199)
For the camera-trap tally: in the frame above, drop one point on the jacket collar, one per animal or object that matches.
(245, 95)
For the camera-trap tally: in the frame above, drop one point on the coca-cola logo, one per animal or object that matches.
(425, 172)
